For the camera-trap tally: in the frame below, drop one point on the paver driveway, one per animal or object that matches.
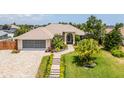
(24, 64)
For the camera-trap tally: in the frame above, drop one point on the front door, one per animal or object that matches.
(69, 38)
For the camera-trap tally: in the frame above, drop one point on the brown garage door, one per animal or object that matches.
(34, 43)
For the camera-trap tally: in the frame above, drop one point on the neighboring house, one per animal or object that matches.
(10, 33)
(1, 27)
(12, 30)
(3, 35)
(41, 37)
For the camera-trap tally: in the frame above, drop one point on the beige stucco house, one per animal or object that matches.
(41, 37)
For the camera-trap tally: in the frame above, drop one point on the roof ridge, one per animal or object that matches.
(47, 31)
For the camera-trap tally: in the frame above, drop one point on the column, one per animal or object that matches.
(73, 38)
(65, 35)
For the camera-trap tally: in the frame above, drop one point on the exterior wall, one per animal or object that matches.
(19, 43)
(12, 29)
(73, 38)
(48, 43)
(65, 35)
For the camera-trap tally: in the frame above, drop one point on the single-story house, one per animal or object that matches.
(41, 37)
(13, 28)
(3, 35)
(11, 31)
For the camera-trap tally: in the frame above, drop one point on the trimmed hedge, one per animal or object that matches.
(48, 69)
(62, 67)
(117, 53)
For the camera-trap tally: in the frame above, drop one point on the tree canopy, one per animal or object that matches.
(95, 28)
(114, 38)
(6, 27)
(23, 29)
(85, 48)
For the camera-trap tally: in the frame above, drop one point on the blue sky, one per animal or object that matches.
(109, 19)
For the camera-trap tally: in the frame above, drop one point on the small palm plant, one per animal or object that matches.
(58, 42)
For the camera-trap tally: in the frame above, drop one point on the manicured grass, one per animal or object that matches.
(107, 67)
(43, 67)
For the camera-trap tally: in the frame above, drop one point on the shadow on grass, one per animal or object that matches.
(83, 62)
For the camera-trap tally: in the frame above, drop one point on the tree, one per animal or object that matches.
(95, 28)
(114, 38)
(63, 23)
(6, 27)
(58, 42)
(23, 29)
(77, 39)
(85, 48)
(14, 23)
(70, 23)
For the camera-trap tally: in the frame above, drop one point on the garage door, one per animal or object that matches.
(34, 43)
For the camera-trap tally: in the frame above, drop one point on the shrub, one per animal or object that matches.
(57, 49)
(117, 53)
(86, 48)
(65, 46)
(77, 39)
(49, 49)
(48, 69)
(58, 42)
(62, 67)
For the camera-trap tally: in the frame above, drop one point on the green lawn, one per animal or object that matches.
(107, 67)
(43, 67)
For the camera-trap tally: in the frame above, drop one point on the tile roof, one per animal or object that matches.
(60, 28)
(38, 33)
(49, 31)
(14, 26)
(110, 29)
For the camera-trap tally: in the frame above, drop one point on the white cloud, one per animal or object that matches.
(22, 18)
(28, 15)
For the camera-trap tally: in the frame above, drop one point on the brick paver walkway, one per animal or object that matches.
(55, 69)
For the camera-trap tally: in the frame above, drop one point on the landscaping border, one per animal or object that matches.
(48, 64)
(48, 69)
(62, 66)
